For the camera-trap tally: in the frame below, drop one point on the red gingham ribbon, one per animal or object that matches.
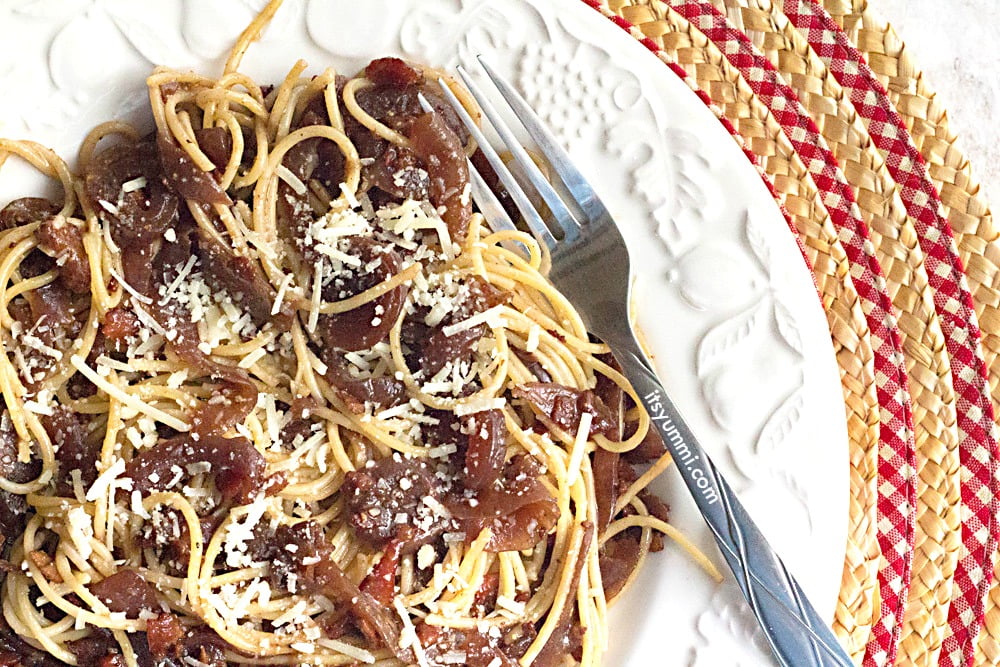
(978, 449)
(897, 460)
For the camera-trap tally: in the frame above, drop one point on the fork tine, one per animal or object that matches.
(550, 147)
(493, 211)
(560, 213)
(535, 222)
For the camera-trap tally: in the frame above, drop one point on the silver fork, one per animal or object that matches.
(590, 266)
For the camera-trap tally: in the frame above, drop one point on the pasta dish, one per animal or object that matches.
(274, 393)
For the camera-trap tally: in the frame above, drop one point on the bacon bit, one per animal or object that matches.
(44, 562)
(393, 72)
(274, 484)
(486, 596)
(119, 324)
(381, 581)
(163, 633)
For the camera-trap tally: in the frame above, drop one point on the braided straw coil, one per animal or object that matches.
(928, 367)
(858, 606)
(968, 213)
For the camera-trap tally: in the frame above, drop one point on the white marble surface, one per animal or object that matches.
(956, 44)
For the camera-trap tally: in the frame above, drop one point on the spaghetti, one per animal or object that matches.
(274, 394)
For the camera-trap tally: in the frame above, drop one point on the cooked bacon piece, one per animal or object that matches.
(119, 324)
(314, 566)
(163, 633)
(566, 638)
(184, 177)
(216, 143)
(393, 72)
(443, 155)
(13, 507)
(378, 494)
(127, 592)
(565, 405)
(487, 447)
(243, 279)
(381, 581)
(236, 464)
(26, 210)
(45, 565)
(519, 511)
(142, 214)
(366, 325)
(62, 240)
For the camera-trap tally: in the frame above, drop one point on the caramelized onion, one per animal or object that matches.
(443, 155)
(314, 564)
(567, 635)
(186, 178)
(26, 210)
(62, 240)
(487, 446)
(377, 494)
(142, 214)
(243, 279)
(13, 507)
(126, 592)
(236, 464)
(565, 405)
(216, 143)
(366, 325)
(519, 511)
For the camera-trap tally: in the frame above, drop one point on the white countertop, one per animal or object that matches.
(956, 44)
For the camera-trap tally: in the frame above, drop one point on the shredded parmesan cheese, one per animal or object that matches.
(579, 448)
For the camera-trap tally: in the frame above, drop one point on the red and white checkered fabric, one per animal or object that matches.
(978, 450)
(897, 464)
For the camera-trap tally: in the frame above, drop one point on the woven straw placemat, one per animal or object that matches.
(792, 85)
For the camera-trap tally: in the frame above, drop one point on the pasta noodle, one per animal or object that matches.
(275, 394)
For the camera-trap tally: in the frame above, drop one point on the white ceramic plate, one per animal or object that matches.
(724, 295)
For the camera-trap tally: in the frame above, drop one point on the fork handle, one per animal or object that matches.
(798, 636)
